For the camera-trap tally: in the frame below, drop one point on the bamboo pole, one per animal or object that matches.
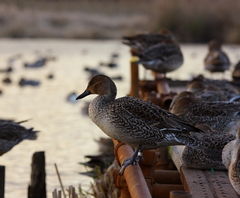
(135, 180)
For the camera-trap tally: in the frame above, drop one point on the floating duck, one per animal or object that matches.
(231, 159)
(136, 122)
(12, 133)
(24, 82)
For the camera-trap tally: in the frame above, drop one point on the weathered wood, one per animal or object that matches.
(195, 182)
(176, 152)
(2, 181)
(220, 184)
(134, 92)
(37, 186)
(203, 183)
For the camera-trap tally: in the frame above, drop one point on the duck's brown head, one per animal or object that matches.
(214, 45)
(181, 101)
(101, 85)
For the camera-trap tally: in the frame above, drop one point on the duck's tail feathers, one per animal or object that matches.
(31, 135)
(24, 121)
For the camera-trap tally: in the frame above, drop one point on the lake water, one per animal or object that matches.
(66, 135)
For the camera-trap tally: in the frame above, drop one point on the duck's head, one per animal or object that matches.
(101, 85)
(214, 45)
(181, 101)
(195, 86)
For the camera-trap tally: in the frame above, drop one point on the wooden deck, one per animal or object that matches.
(203, 183)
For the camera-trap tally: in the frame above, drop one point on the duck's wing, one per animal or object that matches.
(160, 51)
(14, 131)
(154, 116)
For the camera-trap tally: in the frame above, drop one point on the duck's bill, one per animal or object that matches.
(84, 94)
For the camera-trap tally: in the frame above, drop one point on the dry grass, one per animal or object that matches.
(191, 21)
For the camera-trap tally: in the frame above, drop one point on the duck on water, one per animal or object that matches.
(136, 122)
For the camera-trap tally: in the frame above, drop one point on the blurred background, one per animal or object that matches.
(190, 20)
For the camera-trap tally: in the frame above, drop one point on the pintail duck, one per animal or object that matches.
(158, 52)
(221, 116)
(216, 60)
(231, 159)
(136, 122)
(236, 72)
(141, 42)
(210, 155)
(12, 133)
(200, 83)
(162, 58)
(211, 93)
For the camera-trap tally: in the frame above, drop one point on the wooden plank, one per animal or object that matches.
(203, 183)
(195, 182)
(220, 184)
(176, 153)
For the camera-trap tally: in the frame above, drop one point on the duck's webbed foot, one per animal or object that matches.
(136, 157)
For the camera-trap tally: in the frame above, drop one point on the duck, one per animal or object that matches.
(212, 93)
(236, 72)
(220, 115)
(140, 42)
(210, 155)
(216, 60)
(138, 123)
(159, 52)
(231, 159)
(199, 84)
(12, 133)
(161, 58)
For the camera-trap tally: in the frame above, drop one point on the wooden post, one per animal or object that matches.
(37, 186)
(134, 79)
(2, 181)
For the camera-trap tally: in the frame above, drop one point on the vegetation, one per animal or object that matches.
(189, 20)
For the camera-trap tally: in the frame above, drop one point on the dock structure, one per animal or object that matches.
(157, 175)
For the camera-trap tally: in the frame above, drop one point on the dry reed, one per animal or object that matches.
(191, 21)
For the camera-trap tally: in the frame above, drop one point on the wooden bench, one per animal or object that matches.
(203, 183)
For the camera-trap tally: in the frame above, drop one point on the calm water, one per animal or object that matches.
(66, 134)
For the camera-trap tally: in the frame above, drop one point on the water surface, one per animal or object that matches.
(66, 134)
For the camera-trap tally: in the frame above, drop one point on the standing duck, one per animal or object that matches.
(136, 122)
(231, 159)
(141, 42)
(12, 133)
(162, 58)
(216, 60)
(158, 52)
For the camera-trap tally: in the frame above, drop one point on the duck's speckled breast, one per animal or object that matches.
(100, 113)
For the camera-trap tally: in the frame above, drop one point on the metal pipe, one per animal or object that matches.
(180, 194)
(162, 86)
(134, 79)
(167, 177)
(163, 190)
(136, 183)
